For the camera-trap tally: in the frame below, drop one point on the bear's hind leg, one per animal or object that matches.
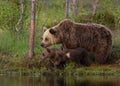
(101, 56)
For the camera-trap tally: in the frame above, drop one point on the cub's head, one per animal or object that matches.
(50, 37)
(48, 53)
(53, 55)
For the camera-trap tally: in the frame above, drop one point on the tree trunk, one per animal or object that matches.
(47, 6)
(95, 3)
(74, 8)
(67, 9)
(32, 29)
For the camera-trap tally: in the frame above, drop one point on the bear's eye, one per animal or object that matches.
(46, 39)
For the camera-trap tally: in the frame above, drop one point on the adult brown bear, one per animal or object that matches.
(94, 38)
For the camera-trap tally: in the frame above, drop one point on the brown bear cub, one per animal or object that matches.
(54, 57)
(59, 57)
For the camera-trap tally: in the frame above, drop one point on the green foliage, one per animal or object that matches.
(14, 42)
(105, 17)
(69, 68)
(9, 13)
(84, 18)
(118, 16)
(49, 13)
(110, 12)
(109, 16)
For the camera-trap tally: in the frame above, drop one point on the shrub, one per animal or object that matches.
(9, 13)
(105, 17)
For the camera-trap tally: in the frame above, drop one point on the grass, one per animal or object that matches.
(13, 42)
(116, 37)
(94, 70)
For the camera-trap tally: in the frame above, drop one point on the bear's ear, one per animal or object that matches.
(48, 50)
(52, 31)
(44, 29)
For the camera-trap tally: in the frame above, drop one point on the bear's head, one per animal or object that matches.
(50, 37)
(48, 53)
(55, 56)
(56, 34)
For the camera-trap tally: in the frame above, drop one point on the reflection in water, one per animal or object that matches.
(59, 81)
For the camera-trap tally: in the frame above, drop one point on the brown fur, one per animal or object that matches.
(95, 38)
(78, 55)
(59, 57)
(55, 57)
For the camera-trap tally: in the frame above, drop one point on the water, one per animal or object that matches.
(59, 81)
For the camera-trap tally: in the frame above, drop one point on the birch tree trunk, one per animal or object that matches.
(95, 4)
(32, 29)
(21, 15)
(74, 8)
(67, 9)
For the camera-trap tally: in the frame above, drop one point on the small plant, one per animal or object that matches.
(105, 17)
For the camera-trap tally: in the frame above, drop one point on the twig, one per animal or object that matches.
(21, 16)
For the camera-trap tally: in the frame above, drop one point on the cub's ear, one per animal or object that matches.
(44, 29)
(52, 31)
(48, 50)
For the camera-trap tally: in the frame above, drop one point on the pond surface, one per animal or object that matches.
(59, 81)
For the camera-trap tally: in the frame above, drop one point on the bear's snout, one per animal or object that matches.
(42, 45)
